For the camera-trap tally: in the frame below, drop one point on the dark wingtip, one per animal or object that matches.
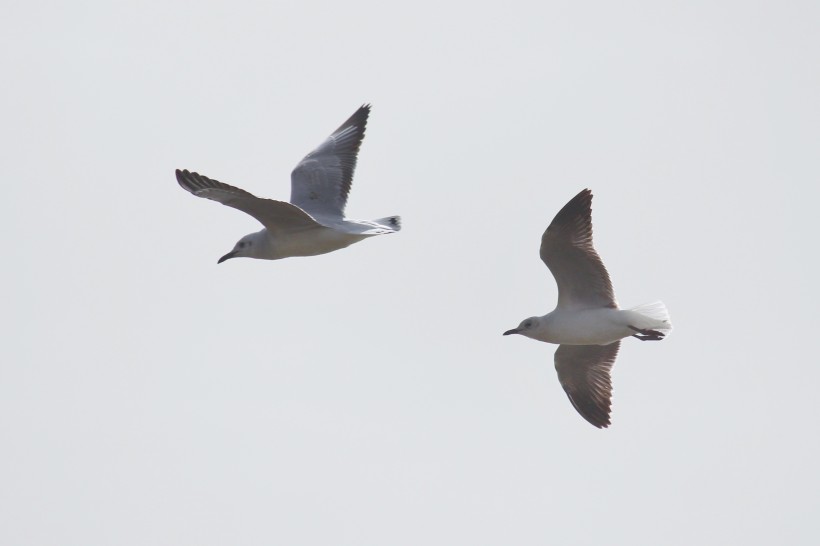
(181, 178)
(359, 118)
(186, 179)
(579, 207)
(582, 200)
(597, 417)
(602, 423)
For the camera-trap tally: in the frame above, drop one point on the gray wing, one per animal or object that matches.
(584, 372)
(321, 182)
(276, 216)
(566, 248)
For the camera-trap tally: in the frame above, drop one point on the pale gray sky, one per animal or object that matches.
(367, 397)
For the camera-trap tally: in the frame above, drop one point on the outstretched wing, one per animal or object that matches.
(566, 248)
(276, 216)
(584, 372)
(321, 182)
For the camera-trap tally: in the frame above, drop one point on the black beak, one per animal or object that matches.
(513, 331)
(228, 256)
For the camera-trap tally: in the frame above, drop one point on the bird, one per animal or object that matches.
(313, 222)
(587, 324)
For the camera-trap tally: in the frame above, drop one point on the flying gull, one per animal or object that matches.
(587, 323)
(313, 221)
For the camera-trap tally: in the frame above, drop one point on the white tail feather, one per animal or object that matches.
(657, 317)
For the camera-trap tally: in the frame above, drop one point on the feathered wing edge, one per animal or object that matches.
(584, 372)
(567, 250)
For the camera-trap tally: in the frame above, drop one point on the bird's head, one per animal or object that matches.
(526, 328)
(248, 246)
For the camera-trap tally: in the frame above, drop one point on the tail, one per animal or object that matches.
(393, 223)
(653, 316)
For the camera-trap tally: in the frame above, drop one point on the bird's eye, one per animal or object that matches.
(527, 324)
(241, 245)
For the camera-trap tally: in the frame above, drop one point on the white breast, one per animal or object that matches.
(319, 240)
(586, 327)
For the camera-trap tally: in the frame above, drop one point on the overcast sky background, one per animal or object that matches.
(367, 397)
